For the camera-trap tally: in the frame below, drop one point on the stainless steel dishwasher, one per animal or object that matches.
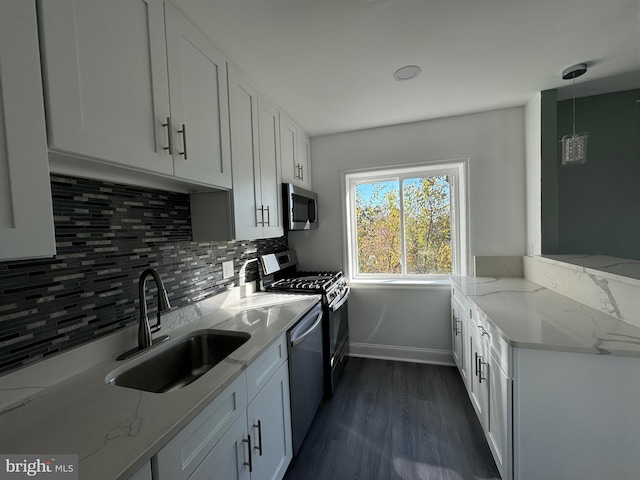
(306, 376)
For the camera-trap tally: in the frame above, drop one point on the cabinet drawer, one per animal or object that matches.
(182, 455)
(265, 366)
(495, 344)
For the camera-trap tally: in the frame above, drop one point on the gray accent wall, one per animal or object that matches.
(599, 202)
(106, 234)
(549, 172)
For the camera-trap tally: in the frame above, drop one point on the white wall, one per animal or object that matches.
(494, 143)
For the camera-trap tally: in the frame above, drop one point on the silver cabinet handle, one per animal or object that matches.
(250, 462)
(184, 140)
(169, 135)
(268, 216)
(261, 210)
(477, 356)
(483, 332)
(259, 447)
(455, 325)
(302, 172)
(481, 370)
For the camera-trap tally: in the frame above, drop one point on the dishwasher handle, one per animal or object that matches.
(298, 338)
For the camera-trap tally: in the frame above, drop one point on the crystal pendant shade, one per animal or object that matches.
(574, 149)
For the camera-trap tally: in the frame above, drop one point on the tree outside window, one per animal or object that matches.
(403, 223)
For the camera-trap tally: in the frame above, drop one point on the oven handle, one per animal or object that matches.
(333, 308)
(308, 332)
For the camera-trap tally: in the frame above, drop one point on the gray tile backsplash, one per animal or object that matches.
(106, 234)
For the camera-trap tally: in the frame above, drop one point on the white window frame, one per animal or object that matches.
(457, 171)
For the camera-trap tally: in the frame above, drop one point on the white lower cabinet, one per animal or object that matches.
(237, 437)
(182, 455)
(478, 384)
(483, 359)
(229, 460)
(499, 421)
(458, 338)
(143, 474)
(269, 418)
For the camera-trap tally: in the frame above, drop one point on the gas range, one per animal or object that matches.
(279, 274)
(318, 282)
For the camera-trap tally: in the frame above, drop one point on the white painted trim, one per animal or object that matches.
(458, 167)
(401, 354)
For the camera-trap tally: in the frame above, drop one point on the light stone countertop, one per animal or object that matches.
(528, 315)
(116, 430)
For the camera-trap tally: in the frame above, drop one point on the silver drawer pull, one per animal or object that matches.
(481, 370)
(250, 462)
(259, 427)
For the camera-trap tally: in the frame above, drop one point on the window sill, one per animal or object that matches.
(440, 284)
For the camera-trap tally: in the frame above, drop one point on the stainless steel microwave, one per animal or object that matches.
(300, 208)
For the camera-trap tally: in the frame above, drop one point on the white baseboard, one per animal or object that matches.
(401, 354)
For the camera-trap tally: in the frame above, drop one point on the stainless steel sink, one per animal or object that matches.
(181, 364)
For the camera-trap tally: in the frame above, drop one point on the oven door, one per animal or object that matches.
(338, 343)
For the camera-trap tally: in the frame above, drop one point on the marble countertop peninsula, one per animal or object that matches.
(620, 269)
(528, 315)
(116, 430)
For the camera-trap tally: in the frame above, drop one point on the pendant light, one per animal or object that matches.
(574, 146)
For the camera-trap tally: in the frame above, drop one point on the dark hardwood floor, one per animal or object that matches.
(395, 421)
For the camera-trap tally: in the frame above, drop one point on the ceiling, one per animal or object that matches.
(329, 64)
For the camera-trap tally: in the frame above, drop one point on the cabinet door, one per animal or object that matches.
(243, 114)
(229, 460)
(303, 154)
(106, 80)
(499, 420)
(458, 332)
(269, 133)
(143, 474)
(26, 217)
(478, 384)
(179, 458)
(288, 132)
(199, 104)
(269, 418)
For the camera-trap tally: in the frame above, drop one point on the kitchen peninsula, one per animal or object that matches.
(543, 374)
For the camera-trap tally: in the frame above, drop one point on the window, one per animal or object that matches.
(406, 223)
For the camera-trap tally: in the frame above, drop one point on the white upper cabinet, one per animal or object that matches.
(255, 158)
(107, 88)
(106, 81)
(199, 105)
(303, 155)
(26, 217)
(243, 115)
(270, 173)
(295, 154)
